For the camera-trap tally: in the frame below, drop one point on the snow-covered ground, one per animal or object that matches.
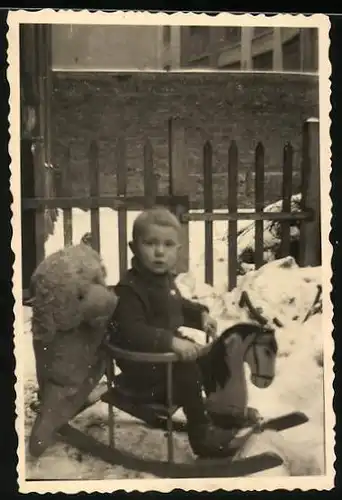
(280, 288)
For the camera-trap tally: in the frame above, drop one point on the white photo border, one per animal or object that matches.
(50, 16)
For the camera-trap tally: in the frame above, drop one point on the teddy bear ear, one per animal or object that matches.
(87, 239)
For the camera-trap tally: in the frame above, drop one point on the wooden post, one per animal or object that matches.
(310, 234)
(179, 182)
(233, 161)
(121, 178)
(67, 191)
(277, 50)
(94, 183)
(208, 207)
(286, 199)
(48, 90)
(39, 153)
(27, 161)
(259, 203)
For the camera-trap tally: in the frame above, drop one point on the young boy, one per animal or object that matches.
(147, 318)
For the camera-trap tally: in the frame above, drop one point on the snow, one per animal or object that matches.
(281, 289)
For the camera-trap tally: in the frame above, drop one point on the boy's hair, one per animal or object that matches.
(158, 215)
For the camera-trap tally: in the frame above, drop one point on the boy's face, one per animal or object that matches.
(157, 248)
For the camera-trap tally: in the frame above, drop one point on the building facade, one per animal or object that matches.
(249, 48)
(79, 47)
(125, 48)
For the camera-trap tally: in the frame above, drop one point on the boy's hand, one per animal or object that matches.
(185, 349)
(209, 325)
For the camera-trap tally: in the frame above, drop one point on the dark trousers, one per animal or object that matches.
(188, 381)
(187, 386)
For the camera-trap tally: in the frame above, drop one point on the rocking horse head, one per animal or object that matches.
(249, 343)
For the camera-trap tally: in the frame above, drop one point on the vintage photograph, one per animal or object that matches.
(171, 218)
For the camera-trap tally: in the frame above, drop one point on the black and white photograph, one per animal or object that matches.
(170, 176)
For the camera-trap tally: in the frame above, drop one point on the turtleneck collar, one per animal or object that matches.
(156, 279)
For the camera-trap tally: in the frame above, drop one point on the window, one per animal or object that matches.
(291, 54)
(199, 30)
(263, 62)
(198, 42)
(166, 34)
(309, 48)
(232, 34)
(314, 48)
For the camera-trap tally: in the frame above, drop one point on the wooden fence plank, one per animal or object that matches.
(208, 207)
(286, 199)
(310, 235)
(67, 191)
(179, 183)
(150, 179)
(232, 207)
(280, 216)
(259, 203)
(94, 188)
(121, 175)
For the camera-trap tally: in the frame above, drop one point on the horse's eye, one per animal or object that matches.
(268, 353)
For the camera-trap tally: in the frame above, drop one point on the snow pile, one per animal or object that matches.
(272, 234)
(289, 296)
(272, 237)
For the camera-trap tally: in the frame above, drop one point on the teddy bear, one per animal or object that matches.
(71, 308)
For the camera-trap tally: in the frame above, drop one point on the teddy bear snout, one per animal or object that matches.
(99, 302)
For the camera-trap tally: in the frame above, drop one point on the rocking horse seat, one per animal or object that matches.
(122, 394)
(147, 406)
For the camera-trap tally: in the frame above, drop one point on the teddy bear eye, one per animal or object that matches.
(80, 296)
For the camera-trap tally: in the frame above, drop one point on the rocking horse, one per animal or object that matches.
(224, 380)
(222, 365)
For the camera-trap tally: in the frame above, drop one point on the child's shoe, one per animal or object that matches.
(208, 441)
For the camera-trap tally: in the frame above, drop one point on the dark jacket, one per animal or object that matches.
(149, 313)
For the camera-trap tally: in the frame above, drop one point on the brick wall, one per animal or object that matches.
(246, 107)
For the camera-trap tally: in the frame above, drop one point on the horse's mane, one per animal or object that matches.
(216, 369)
